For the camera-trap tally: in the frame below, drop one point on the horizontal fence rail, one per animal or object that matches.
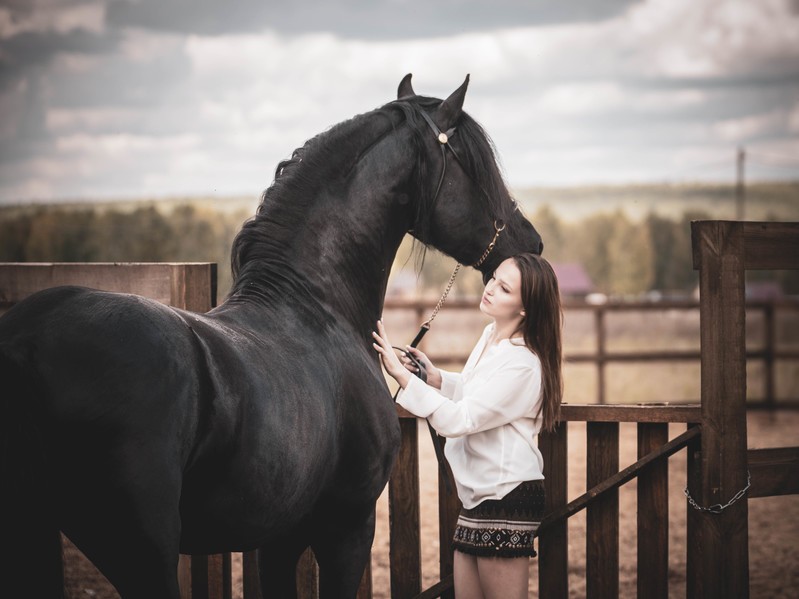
(769, 355)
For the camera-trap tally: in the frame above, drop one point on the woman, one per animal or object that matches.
(510, 388)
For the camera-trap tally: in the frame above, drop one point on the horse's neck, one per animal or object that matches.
(332, 255)
(330, 238)
(348, 264)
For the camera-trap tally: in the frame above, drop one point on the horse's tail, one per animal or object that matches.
(30, 543)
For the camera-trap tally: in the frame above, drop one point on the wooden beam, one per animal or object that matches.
(439, 589)
(631, 413)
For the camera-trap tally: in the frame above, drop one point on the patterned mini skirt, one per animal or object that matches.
(502, 527)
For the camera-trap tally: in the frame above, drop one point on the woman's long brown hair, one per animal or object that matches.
(541, 328)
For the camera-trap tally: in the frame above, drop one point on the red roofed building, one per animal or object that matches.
(573, 280)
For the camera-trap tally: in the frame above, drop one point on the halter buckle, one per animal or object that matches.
(442, 138)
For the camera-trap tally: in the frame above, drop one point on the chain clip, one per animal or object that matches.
(718, 508)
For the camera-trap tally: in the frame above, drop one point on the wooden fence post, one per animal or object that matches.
(719, 254)
(553, 544)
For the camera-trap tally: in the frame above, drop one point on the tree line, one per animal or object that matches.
(623, 256)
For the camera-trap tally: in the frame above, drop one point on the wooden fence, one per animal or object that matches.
(715, 435)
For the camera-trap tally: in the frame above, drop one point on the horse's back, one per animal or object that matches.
(94, 350)
(106, 375)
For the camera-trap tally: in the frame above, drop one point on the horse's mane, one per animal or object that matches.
(326, 156)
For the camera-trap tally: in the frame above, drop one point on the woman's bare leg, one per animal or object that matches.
(503, 578)
(465, 576)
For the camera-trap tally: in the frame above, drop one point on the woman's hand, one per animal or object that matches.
(433, 373)
(390, 360)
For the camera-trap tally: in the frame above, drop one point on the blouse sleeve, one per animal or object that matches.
(449, 382)
(510, 393)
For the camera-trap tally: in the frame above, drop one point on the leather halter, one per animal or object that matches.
(443, 140)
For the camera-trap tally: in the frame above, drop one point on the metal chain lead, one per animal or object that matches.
(718, 508)
(497, 231)
(443, 298)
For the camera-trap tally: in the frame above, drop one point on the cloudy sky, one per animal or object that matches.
(131, 98)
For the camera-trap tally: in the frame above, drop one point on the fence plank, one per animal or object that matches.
(771, 245)
(602, 519)
(365, 588)
(449, 507)
(403, 501)
(210, 576)
(251, 584)
(307, 576)
(163, 282)
(553, 543)
(719, 254)
(653, 515)
(775, 471)
(693, 567)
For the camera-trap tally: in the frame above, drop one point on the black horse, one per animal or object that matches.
(143, 431)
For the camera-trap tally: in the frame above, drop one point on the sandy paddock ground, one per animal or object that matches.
(773, 524)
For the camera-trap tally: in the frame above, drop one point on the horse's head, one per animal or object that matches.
(464, 206)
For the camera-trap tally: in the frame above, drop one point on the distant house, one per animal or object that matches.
(763, 290)
(573, 280)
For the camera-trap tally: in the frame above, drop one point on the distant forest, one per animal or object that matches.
(625, 253)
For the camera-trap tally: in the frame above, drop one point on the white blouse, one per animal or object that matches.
(488, 412)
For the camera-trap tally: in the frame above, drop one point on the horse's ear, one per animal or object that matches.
(405, 90)
(449, 111)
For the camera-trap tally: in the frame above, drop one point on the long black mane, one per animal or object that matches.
(323, 159)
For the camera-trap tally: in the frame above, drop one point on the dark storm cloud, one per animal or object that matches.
(30, 49)
(360, 19)
(122, 82)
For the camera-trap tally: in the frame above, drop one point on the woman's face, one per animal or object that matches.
(502, 298)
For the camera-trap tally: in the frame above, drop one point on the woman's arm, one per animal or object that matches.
(507, 394)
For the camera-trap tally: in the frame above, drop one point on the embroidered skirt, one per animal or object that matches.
(502, 527)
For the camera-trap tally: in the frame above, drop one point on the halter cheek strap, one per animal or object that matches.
(443, 140)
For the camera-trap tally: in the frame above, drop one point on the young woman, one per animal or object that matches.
(510, 389)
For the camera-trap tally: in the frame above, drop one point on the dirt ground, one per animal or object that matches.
(773, 525)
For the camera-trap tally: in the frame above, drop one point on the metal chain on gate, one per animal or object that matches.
(718, 508)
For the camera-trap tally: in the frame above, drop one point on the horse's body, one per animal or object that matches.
(143, 431)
